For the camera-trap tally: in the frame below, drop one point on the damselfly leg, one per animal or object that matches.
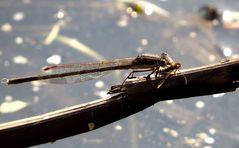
(131, 74)
(162, 70)
(154, 71)
(164, 76)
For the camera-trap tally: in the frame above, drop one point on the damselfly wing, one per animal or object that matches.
(71, 69)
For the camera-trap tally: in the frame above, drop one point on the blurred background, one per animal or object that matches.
(34, 34)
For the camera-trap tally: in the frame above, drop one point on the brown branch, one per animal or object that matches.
(137, 95)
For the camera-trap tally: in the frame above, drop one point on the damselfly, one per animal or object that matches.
(74, 73)
(162, 72)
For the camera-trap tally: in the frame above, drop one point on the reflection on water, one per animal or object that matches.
(37, 33)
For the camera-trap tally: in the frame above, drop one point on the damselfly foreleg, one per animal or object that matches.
(164, 76)
(131, 74)
(153, 71)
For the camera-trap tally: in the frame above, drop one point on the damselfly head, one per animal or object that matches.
(164, 54)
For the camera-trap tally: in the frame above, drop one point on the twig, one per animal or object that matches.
(137, 95)
(206, 80)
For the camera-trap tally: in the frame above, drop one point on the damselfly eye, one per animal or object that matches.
(178, 65)
(163, 62)
(164, 54)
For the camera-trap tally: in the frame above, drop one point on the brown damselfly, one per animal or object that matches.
(160, 65)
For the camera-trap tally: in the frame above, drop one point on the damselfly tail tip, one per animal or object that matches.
(46, 68)
(5, 81)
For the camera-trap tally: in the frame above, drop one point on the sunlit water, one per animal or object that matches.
(104, 30)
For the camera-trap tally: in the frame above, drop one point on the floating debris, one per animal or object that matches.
(118, 127)
(75, 44)
(207, 146)
(202, 135)
(209, 140)
(229, 19)
(139, 49)
(209, 12)
(140, 136)
(218, 95)
(227, 51)
(36, 99)
(123, 21)
(35, 89)
(99, 84)
(20, 60)
(212, 58)
(54, 59)
(200, 104)
(224, 50)
(8, 98)
(212, 131)
(36, 86)
(52, 34)
(19, 16)
(92, 141)
(18, 40)
(27, 1)
(6, 27)
(36, 83)
(171, 132)
(144, 42)
(199, 140)
(6, 63)
(169, 101)
(174, 133)
(190, 141)
(102, 94)
(10, 106)
(192, 34)
(143, 7)
(60, 14)
(182, 122)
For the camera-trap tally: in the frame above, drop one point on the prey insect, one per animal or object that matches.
(159, 65)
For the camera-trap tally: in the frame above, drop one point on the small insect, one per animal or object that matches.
(159, 65)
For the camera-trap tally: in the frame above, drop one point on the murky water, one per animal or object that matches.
(105, 28)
